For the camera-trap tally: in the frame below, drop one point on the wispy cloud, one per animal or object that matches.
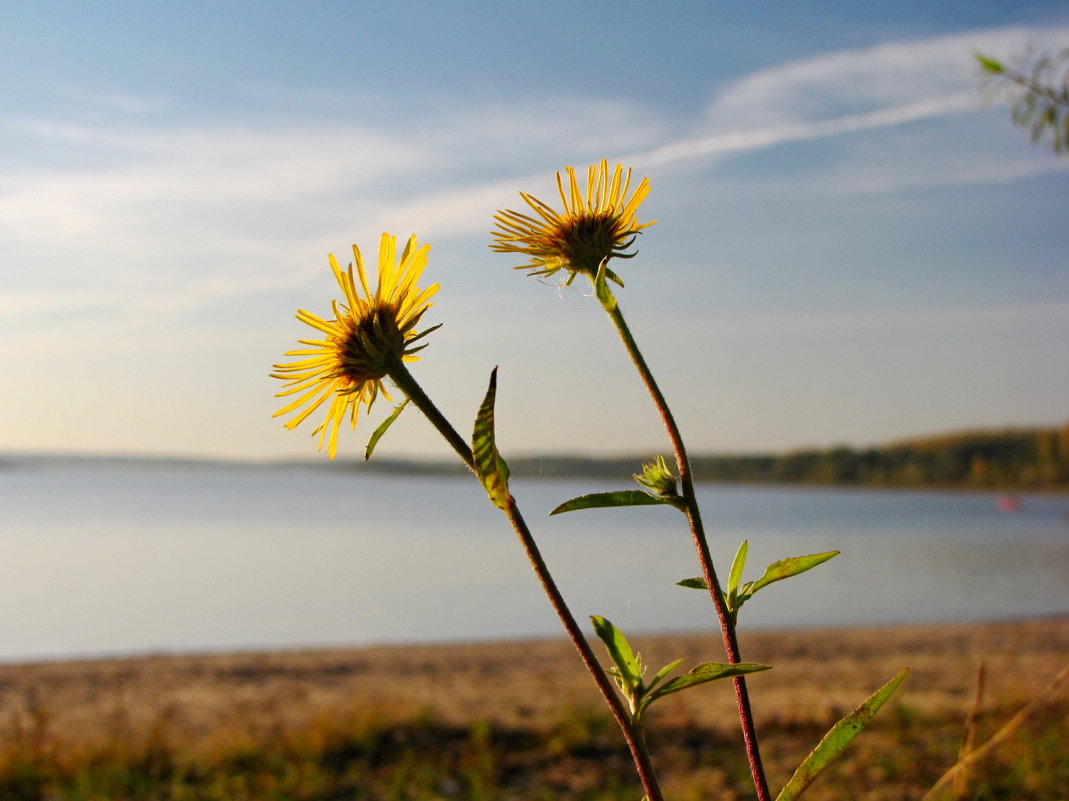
(847, 92)
(756, 139)
(154, 206)
(887, 75)
(16, 304)
(141, 251)
(938, 321)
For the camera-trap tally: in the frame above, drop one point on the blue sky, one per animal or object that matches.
(851, 245)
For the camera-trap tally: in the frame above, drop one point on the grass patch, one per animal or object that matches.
(578, 757)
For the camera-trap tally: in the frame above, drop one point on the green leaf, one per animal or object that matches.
(988, 64)
(662, 673)
(836, 740)
(375, 437)
(777, 571)
(700, 674)
(601, 288)
(628, 665)
(602, 500)
(785, 568)
(735, 576)
(492, 470)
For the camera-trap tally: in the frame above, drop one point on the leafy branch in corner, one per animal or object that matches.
(1038, 93)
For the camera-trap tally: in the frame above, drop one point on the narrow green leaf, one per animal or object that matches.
(700, 674)
(696, 583)
(603, 500)
(492, 470)
(735, 576)
(988, 64)
(601, 288)
(627, 663)
(662, 673)
(785, 568)
(408, 342)
(375, 437)
(836, 740)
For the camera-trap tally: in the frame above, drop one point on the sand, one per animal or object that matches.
(818, 675)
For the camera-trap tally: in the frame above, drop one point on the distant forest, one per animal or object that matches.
(1011, 459)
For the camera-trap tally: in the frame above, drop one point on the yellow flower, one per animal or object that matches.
(592, 228)
(367, 336)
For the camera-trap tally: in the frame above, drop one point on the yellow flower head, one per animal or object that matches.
(592, 228)
(357, 348)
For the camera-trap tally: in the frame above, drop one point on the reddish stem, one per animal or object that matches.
(701, 544)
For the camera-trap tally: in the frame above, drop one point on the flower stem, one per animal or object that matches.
(636, 743)
(701, 544)
(408, 385)
(632, 735)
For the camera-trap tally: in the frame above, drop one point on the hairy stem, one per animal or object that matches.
(701, 545)
(635, 742)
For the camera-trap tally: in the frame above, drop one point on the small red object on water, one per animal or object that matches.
(1009, 503)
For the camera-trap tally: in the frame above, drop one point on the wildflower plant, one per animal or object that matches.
(593, 227)
(371, 336)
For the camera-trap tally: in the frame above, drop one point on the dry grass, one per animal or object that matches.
(517, 720)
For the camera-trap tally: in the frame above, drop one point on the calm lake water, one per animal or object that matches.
(111, 558)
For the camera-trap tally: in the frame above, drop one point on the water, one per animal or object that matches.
(111, 558)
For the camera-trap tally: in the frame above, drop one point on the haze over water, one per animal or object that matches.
(120, 558)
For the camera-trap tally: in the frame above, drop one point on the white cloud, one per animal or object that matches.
(755, 139)
(938, 321)
(200, 168)
(940, 170)
(853, 91)
(31, 303)
(188, 215)
(892, 74)
(138, 104)
(188, 240)
(523, 132)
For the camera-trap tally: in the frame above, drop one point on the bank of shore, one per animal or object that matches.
(818, 675)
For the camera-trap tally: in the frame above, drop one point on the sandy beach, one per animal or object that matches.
(818, 675)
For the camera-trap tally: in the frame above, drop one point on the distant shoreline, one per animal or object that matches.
(1006, 460)
(1055, 621)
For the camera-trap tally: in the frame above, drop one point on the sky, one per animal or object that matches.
(853, 243)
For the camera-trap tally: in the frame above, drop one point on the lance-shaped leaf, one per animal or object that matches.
(699, 674)
(736, 596)
(836, 740)
(696, 583)
(604, 500)
(601, 288)
(785, 568)
(492, 470)
(735, 575)
(628, 664)
(662, 673)
(988, 64)
(375, 437)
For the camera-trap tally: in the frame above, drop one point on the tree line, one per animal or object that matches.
(1011, 459)
(1034, 458)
